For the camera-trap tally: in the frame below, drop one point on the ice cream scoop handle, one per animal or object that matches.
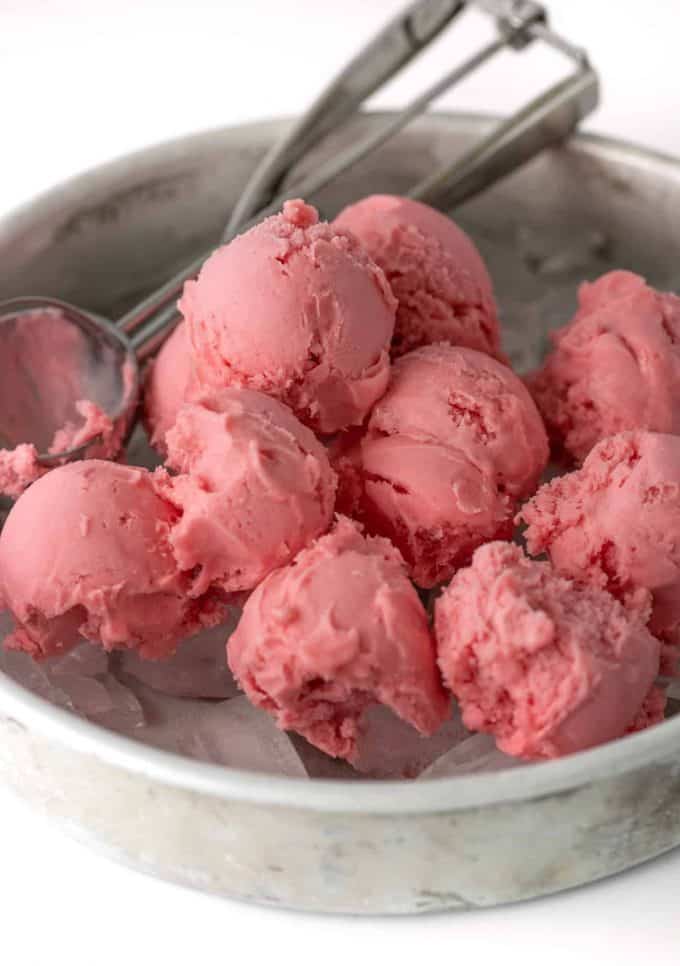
(390, 50)
(547, 120)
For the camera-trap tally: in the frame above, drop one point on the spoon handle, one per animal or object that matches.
(157, 313)
(150, 333)
(148, 322)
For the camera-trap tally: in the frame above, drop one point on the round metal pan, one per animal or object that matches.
(108, 236)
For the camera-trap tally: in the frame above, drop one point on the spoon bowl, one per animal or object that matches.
(55, 355)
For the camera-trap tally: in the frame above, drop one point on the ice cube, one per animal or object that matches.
(476, 754)
(197, 670)
(390, 748)
(87, 696)
(319, 765)
(33, 676)
(86, 659)
(231, 732)
(237, 734)
(168, 722)
(78, 681)
(124, 712)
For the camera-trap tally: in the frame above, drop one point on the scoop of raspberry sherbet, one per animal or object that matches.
(616, 523)
(338, 629)
(449, 450)
(614, 367)
(86, 551)
(253, 487)
(294, 308)
(436, 273)
(547, 665)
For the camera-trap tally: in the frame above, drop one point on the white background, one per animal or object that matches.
(84, 80)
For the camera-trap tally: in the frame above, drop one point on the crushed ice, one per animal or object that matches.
(231, 732)
(190, 704)
(80, 682)
(473, 755)
(198, 669)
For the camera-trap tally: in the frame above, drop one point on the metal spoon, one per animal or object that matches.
(75, 355)
(108, 353)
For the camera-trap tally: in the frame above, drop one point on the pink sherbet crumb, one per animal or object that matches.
(21, 466)
(338, 629)
(95, 423)
(547, 665)
(294, 308)
(614, 367)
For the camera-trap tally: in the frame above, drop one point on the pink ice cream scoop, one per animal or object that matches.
(614, 367)
(449, 450)
(616, 522)
(547, 665)
(86, 550)
(436, 273)
(170, 382)
(338, 629)
(296, 309)
(254, 486)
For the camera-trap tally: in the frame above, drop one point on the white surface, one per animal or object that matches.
(84, 80)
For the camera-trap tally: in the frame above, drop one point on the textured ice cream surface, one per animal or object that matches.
(451, 447)
(296, 309)
(616, 523)
(547, 665)
(435, 271)
(169, 383)
(253, 487)
(614, 367)
(19, 467)
(338, 629)
(86, 551)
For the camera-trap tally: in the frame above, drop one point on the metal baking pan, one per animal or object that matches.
(110, 235)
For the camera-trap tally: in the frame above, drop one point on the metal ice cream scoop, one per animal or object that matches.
(53, 354)
(91, 358)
